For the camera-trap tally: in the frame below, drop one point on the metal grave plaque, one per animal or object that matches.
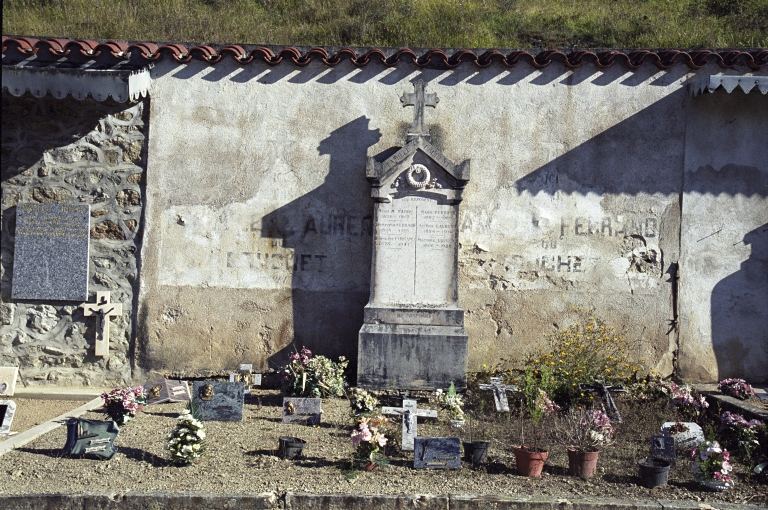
(88, 437)
(50, 257)
(219, 401)
(306, 411)
(437, 453)
(663, 447)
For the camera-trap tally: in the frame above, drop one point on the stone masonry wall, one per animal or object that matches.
(69, 151)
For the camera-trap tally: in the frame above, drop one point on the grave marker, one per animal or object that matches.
(91, 437)
(50, 256)
(605, 397)
(8, 377)
(307, 411)
(165, 390)
(7, 410)
(499, 393)
(104, 309)
(247, 377)
(413, 335)
(410, 413)
(687, 439)
(218, 401)
(663, 447)
(437, 453)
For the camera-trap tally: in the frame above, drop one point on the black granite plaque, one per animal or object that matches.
(306, 411)
(50, 258)
(437, 453)
(663, 447)
(219, 401)
(166, 390)
(7, 410)
(87, 437)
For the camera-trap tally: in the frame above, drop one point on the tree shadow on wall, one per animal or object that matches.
(325, 238)
(740, 314)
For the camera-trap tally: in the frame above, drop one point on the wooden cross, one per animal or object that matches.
(409, 412)
(605, 395)
(499, 393)
(418, 99)
(104, 309)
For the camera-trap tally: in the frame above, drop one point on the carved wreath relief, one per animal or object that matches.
(422, 173)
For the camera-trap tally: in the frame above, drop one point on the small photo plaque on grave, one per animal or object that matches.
(7, 410)
(306, 411)
(8, 377)
(663, 447)
(437, 453)
(50, 257)
(219, 401)
(166, 390)
(247, 377)
(91, 437)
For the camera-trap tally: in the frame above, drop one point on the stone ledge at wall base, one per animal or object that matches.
(296, 500)
(411, 357)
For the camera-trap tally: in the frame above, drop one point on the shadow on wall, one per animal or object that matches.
(740, 314)
(330, 232)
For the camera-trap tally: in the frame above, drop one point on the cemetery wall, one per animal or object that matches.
(69, 151)
(258, 233)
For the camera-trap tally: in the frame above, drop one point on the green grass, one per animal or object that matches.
(403, 23)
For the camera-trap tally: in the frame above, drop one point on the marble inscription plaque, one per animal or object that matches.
(8, 380)
(50, 259)
(219, 401)
(166, 390)
(437, 453)
(302, 410)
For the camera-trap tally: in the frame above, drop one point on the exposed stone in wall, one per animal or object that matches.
(65, 151)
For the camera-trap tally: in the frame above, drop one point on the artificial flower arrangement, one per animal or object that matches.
(585, 430)
(186, 442)
(122, 404)
(314, 376)
(736, 388)
(452, 401)
(681, 398)
(711, 466)
(368, 442)
(362, 402)
(736, 431)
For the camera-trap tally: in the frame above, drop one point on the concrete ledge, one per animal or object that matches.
(297, 500)
(45, 393)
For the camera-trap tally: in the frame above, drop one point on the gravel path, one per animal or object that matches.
(30, 412)
(240, 461)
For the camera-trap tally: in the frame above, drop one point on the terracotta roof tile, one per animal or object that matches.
(18, 48)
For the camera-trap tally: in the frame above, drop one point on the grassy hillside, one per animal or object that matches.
(400, 23)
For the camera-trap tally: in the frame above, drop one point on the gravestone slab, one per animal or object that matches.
(219, 401)
(50, 257)
(437, 453)
(688, 439)
(166, 390)
(247, 377)
(663, 447)
(410, 413)
(91, 437)
(413, 335)
(499, 393)
(8, 377)
(307, 411)
(7, 410)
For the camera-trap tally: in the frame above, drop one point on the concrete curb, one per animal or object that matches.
(31, 434)
(298, 500)
(43, 393)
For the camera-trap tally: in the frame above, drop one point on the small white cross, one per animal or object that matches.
(499, 393)
(409, 412)
(104, 309)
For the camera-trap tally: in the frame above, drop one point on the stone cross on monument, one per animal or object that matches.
(409, 412)
(499, 393)
(104, 309)
(418, 99)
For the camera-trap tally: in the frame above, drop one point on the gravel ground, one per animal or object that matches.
(240, 460)
(31, 412)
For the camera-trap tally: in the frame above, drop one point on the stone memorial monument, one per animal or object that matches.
(413, 335)
(219, 401)
(8, 377)
(91, 437)
(7, 410)
(410, 413)
(437, 453)
(50, 257)
(307, 411)
(165, 390)
(247, 377)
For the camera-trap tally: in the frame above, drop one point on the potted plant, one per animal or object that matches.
(584, 433)
(476, 452)
(123, 404)
(314, 376)
(530, 459)
(711, 466)
(186, 442)
(368, 441)
(453, 402)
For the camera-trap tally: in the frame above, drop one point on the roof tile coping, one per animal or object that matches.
(56, 50)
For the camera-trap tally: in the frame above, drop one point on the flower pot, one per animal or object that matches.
(476, 452)
(581, 463)
(654, 472)
(370, 466)
(290, 447)
(530, 460)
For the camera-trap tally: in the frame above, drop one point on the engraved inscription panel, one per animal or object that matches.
(415, 243)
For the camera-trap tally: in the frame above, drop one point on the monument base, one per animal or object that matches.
(395, 356)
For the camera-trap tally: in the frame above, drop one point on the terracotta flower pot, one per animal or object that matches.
(581, 463)
(530, 461)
